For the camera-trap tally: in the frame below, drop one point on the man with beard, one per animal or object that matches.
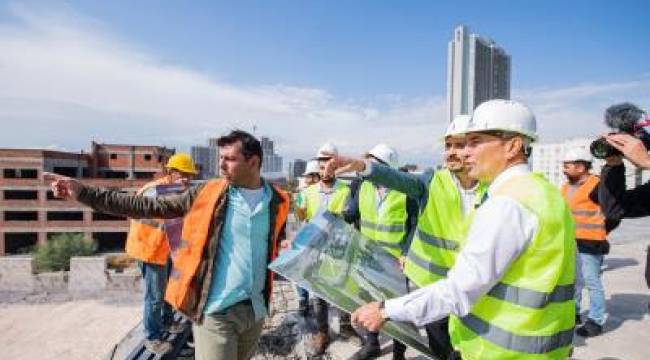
(446, 201)
(509, 293)
(581, 193)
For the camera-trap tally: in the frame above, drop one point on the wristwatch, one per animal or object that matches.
(382, 311)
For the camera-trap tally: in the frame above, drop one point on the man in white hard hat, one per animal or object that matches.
(581, 193)
(387, 217)
(329, 194)
(443, 221)
(510, 293)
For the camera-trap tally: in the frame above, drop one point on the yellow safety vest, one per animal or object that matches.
(386, 224)
(440, 232)
(530, 313)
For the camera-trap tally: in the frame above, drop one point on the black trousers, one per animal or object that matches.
(439, 341)
(373, 338)
(321, 312)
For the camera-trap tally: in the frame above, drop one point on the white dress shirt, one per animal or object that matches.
(501, 231)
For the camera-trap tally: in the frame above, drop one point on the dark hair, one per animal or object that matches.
(250, 146)
(586, 164)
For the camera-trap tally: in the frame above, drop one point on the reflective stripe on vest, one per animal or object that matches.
(440, 232)
(147, 240)
(519, 343)
(182, 291)
(531, 298)
(589, 220)
(530, 313)
(385, 224)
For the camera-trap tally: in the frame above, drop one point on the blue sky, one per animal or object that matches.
(353, 64)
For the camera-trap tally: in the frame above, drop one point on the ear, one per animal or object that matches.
(254, 161)
(514, 147)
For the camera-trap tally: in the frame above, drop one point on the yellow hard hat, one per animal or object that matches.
(182, 162)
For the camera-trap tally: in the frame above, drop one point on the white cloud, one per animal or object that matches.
(66, 81)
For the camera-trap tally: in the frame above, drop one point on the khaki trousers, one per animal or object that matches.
(228, 335)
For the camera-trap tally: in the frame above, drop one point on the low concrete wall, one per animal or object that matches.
(130, 280)
(88, 275)
(52, 282)
(16, 274)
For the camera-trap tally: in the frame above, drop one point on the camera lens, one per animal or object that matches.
(601, 149)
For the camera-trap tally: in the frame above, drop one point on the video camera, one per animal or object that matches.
(622, 118)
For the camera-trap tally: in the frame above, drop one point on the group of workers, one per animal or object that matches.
(488, 247)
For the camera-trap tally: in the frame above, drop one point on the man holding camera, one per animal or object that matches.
(631, 140)
(625, 203)
(619, 202)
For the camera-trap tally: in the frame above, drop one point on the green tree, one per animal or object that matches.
(55, 253)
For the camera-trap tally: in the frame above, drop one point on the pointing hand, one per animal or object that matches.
(63, 187)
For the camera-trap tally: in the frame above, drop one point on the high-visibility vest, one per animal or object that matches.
(387, 224)
(147, 240)
(440, 232)
(184, 289)
(589, 219)
(335, 205)
(530, 313)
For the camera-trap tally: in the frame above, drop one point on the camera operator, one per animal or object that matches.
(616, 201)
(631, 143)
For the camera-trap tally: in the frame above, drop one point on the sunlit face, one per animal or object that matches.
(234, 167)
(454, 153)
(573, 170)
(311, 179)
(322, 165)
(485, 155)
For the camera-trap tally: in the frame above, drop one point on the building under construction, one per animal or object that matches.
(29, 213)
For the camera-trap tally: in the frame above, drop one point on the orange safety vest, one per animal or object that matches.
(147, 240)
(183, 290)
(589, 219)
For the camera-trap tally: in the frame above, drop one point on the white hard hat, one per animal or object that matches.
(326, 151)
(458, 126)
(504, 115)
(386, 154)
(311, 168)
(577, 154)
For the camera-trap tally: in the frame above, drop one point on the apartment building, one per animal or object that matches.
(30, 214)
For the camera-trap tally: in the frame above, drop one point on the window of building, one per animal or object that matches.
(113, 156)
(21, 195)
(20, 243)
(65, 171)
(21, 216)
(115, 174)
(147, 157)
(28, 173)
(65, 216)
(10, 173)
(98, 216)
(110, 241)
(50, 196)
(160, 158)
(143, 175)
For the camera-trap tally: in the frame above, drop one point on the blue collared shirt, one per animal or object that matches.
(239, 272)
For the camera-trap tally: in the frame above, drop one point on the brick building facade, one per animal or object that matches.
(29, 213)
